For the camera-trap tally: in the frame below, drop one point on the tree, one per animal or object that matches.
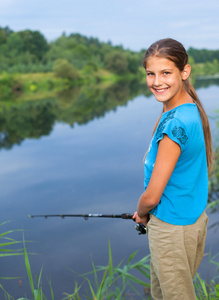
(64, 69)
(15, 45)
(133, 62)
(116, 62)
(34, 43)
(4, 34)
(203, 55)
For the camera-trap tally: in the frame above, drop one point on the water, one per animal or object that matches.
(79, 153)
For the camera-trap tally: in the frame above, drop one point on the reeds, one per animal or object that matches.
(115, 282)
(109, 282)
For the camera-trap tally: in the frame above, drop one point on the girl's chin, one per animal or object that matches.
(161, 99)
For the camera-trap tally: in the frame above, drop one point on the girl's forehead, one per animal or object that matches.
(159, 62)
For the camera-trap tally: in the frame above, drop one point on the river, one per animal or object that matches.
(79, 153)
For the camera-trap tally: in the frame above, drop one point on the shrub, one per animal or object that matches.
(62, 68)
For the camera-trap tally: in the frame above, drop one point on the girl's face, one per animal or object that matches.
(165, 81)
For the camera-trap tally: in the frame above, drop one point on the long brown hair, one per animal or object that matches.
(175, 51)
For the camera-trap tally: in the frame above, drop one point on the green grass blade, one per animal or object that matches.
(6, 293)
(131, 257)
(202, 285)
(7, 278)
(95, 274)
(27, 264)
(146, 272)
(8, 244)
(74, 295)
(51, 290)
(8, 232)
(135, 279)
(91, 289)
(11, 254)
(110, 261)
(100, 290)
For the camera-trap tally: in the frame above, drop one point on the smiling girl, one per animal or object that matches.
(176, 169)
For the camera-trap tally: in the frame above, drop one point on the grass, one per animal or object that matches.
(35, 86)
(104, 282)
(6, 249)
(119, 282)
(115, 282)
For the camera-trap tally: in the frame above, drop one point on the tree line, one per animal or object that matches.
(28, 51)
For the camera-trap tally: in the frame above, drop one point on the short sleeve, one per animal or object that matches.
(175, 129)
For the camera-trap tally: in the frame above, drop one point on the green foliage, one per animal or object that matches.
(7, 244)
(34, 43)
(33, 119)
(9, 86)
(203, 55)
(77, 49)
(206, 69)
(134, 62)
(21, 119)
(21, 48)
(62, 68)
(209, 290)
(104, 282)
(4, 34)
(116, 282)
(28, 51)
(37, 292)
(6, 241)
(116, 62)
(90, 68)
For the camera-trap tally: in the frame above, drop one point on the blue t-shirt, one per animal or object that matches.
(185, 196)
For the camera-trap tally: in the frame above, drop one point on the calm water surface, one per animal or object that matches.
(95, 167)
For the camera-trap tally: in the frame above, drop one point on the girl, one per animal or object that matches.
(173, 204)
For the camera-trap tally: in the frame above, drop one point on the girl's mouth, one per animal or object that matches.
(161, 91)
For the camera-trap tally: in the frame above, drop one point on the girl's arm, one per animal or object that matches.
(167, 157)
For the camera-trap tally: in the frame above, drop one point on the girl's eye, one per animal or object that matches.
(166, 73)
(150, 74)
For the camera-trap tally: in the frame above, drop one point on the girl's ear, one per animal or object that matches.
(186, 72)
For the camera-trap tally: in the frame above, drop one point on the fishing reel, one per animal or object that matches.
(140, 228)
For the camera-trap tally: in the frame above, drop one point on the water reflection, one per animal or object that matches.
(79, 105)
(28, 120)
(200, 83)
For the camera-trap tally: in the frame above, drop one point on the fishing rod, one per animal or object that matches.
(139, 227)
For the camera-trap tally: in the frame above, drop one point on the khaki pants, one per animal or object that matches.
(176, 253)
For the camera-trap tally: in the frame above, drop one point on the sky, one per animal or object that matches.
(134, 24)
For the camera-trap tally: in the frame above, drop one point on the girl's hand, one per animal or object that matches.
(139, 220)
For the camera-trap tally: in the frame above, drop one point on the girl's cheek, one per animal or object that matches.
(149, 82)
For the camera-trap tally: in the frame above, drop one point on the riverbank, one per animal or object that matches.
(32, 86)
(38, 86)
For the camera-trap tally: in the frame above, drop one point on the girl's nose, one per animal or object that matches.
(157, 80)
